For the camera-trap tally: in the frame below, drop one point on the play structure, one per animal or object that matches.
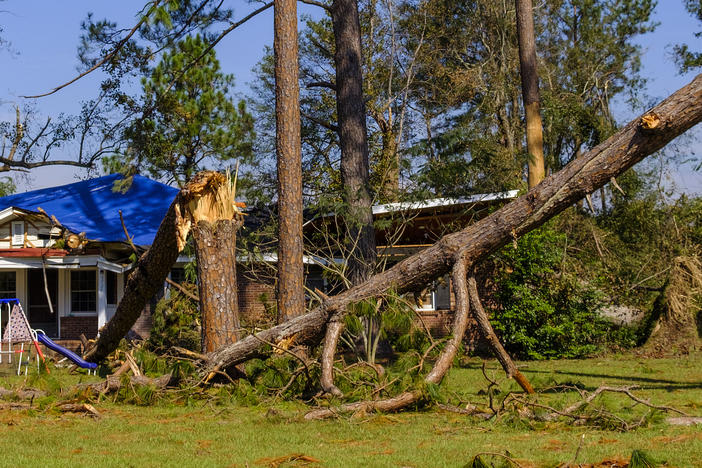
(17, 331)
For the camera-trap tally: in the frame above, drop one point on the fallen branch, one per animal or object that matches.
(481, 317)
(640, 138)
(78, 408)
(184, 291)
(573, 411)
(113, 383)
(331, 340)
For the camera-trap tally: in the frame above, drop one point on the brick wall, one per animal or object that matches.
(256, 300)
(72, 327)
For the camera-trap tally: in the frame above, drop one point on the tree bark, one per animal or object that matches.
(215, 251)
(290, 287)
(203, 198)
(351, 111)
(489, 334)
(530, 91)
(640, 138)
(331, 340)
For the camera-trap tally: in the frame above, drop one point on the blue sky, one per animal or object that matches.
(44, 36)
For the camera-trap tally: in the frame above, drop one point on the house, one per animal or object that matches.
(64, 252)
(402, 229)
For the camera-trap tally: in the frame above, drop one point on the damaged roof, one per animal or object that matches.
(92, 206)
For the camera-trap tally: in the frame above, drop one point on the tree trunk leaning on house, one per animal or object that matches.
(530, 91)
(195, 203)
(638, 139)
(290, 287)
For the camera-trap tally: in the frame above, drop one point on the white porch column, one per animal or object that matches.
(101, 298)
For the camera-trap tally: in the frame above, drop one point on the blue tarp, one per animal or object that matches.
(92, 206)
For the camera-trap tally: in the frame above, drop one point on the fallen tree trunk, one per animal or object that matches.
(191, 205)
(640, 138)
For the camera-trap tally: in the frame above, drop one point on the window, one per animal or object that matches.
(178, 275)
(18, 234)
(424, 300)
(111, 287)
(8, 284)
(435, 297)
(84, 291)
(442, 294)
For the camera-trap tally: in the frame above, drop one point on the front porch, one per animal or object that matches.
(84, 291)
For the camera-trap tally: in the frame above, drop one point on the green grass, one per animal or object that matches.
(205, 434)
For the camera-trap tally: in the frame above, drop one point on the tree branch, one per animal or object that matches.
(322, 84)
(320, 122)
(107, 57)
(316, 3)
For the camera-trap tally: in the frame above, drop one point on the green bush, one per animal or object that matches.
(176, 323)
(541, 313)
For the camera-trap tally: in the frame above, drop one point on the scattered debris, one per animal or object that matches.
(79, 408)
(298, 459)
(684, 421)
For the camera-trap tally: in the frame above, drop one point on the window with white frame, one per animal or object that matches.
(111, 282)
(84, 292)
(17, 234)
(437, 296)
(8, 284)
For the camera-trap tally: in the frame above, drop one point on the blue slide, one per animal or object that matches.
(77, 360)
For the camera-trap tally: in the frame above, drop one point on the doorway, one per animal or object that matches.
(40, 315)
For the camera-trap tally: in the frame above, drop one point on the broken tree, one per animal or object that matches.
(203, 199)
(215, 220)
(640, 138)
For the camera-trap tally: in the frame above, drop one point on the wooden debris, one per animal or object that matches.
(298, 458)
(132, 364)
(121, 370)
(113, 383)
(27, 394)
(79, 408)
(684, 421)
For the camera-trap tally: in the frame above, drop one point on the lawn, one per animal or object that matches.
(206, 434)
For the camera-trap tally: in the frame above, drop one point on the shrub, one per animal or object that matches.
(541, 313)
(176, 323)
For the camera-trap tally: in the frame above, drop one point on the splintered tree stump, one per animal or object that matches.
(207, 197)
(215, 251)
